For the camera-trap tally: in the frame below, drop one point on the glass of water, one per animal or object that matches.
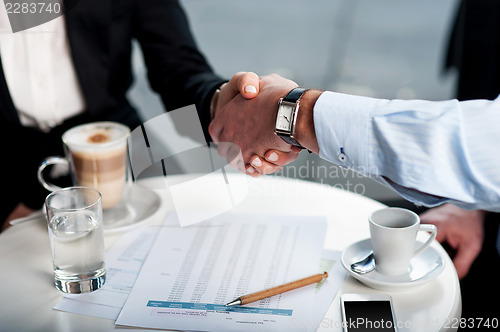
(76, 235)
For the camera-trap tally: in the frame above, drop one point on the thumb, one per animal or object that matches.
(245, 83)
(248, 84)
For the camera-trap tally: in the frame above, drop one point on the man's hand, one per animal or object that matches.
(462, 230)
(247, 84)
(249, 123)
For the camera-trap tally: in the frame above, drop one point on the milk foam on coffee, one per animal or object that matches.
(98, 152)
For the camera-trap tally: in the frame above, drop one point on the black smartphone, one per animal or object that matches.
(367, 312)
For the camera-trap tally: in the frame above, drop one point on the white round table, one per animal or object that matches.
(27, 293)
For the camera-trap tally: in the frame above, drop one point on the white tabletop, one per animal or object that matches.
(27, 293)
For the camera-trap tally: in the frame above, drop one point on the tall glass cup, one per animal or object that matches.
(76, 235)
(96, 154)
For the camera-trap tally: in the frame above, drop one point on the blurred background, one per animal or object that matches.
(384, 49)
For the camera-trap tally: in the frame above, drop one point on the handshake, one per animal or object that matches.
(244, 115)
(430, 152)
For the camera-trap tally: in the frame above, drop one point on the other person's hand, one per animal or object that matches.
(463, 230)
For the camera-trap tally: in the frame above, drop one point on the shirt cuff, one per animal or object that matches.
(342, 128)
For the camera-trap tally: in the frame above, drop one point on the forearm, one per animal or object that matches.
(177, 70)
(443, 149)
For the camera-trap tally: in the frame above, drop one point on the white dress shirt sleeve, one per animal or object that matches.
(429, 152)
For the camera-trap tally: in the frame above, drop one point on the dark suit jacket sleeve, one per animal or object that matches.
(474, 49)
(176, 68)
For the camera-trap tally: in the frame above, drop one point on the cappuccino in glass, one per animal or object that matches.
(97, 156)
(98, 153)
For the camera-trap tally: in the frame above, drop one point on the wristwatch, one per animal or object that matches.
(286, 116)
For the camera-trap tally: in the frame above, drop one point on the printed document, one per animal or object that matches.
(192, 272)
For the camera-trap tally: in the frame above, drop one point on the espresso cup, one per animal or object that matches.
(96, 154)
(393, 236)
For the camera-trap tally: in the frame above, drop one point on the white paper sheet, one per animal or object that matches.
(326, 290)
(192, 272)
(324, 294)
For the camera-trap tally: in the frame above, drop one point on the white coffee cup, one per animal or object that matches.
(393, 236)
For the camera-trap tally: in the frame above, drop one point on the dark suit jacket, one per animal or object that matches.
(474, 49)
(100, 34)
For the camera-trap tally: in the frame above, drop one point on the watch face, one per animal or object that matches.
(284, 119)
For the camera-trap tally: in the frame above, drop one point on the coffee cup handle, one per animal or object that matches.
(427, 228)
(43, 165)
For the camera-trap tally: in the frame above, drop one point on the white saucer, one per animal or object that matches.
(144, 204)
(423, 268)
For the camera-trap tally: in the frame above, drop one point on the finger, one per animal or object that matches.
(280, 158)
(248, 85)
(441, 236)
(465, 256)
(430, 217)
(442, 233)
(252, 172)
(263, 166)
